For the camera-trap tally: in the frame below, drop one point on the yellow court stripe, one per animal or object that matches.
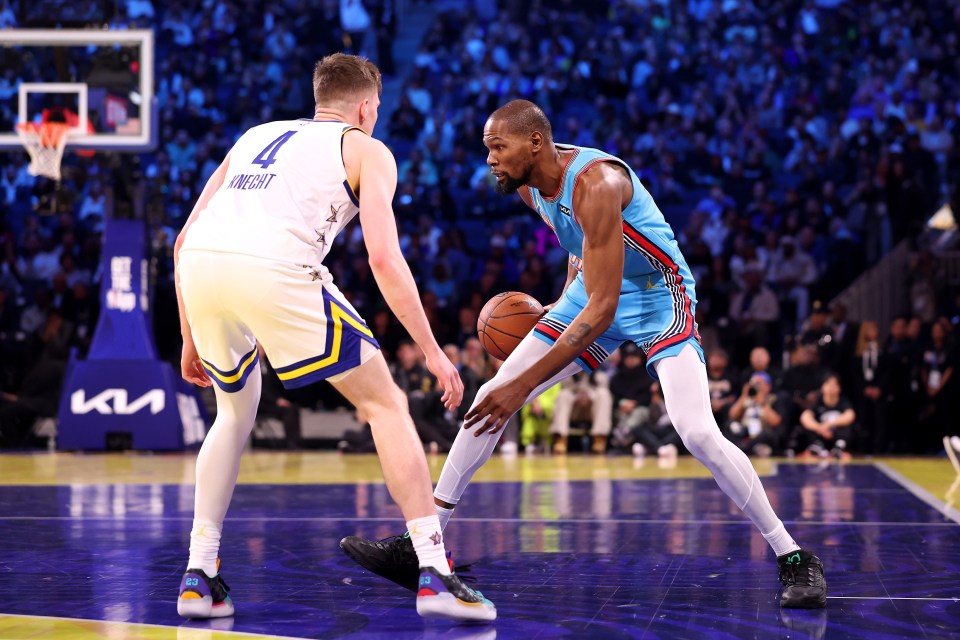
(24, 627)
(77, 471)
(326, 467)
(228, 379)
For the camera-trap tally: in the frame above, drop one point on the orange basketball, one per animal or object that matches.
(505, 320)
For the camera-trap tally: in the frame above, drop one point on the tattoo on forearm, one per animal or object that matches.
(579, 334)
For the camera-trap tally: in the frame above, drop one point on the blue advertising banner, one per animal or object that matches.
(122, 393)
(124, 329)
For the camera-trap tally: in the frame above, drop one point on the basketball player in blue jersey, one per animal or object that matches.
(627, 281)
(249, 268)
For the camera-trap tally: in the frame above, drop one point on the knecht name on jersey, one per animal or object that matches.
(251, 181)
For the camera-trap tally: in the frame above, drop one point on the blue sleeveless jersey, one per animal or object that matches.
(657, 294)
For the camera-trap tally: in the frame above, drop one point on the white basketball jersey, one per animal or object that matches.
(285, 196)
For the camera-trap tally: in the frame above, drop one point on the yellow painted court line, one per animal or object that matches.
(327, 468)
(945, 508)
(266, 467)
(25, 627)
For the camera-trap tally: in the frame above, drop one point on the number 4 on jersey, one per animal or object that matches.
(269, 155)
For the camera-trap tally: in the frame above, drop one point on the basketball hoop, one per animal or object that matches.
(45, 143)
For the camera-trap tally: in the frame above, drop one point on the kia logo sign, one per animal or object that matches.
(115, 402)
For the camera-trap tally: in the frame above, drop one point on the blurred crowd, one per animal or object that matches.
(839, 389)
(790, 143)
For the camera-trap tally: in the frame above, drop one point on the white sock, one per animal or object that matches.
(444, 514)
(426, 534)
(781, 541)
(204, 546)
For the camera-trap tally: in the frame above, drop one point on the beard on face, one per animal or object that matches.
(510, 185)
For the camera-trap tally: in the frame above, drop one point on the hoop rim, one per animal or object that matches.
(51, 134)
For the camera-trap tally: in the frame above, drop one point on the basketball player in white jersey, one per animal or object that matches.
(249, 267)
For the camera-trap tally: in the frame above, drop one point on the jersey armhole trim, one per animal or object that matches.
(354, 196)
(583, 170)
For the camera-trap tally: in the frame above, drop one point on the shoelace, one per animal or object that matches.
(400, 553)
(219, 587)
(788, 574)
(404, 554)
(791, 573)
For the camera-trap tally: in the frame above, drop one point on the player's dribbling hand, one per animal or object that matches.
(497, 407)
(190, 367)
(448, 378)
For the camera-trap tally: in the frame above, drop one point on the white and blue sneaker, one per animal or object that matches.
(202, 596)
(448, 597)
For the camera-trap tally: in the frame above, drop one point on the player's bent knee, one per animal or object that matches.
(696, 440)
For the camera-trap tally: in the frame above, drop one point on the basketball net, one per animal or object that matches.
(45, 143)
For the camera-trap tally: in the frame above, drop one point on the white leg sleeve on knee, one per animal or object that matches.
(684, 382)
(219, 460)
(217, 467)
(469, 452)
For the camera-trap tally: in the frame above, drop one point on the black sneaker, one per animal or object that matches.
(801, 574)
(393, 558)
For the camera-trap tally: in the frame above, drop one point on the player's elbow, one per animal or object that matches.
(606, 311)
(383, 261)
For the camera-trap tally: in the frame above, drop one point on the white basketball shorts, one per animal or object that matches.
(306, 327)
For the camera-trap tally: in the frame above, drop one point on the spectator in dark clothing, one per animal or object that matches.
(471, 384)
(720, 383)
(937, 367)
(825, 428)
(274, 404)
(846, 339)
(800, 382)
(82, 309)
(760, 363)
(867, 369)
(755, 424)
(755, 311)
(38, 396)
(900, 361)
(434, 428)
(817, 333)
(630, 387)
(655, 433)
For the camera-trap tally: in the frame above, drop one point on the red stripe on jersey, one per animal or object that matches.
(687, 332)
(552, 333)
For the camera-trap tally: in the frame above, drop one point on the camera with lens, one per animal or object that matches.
(753, 390)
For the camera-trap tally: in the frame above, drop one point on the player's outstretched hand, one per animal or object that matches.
(190, 366)
(448, 378)
(499, 405)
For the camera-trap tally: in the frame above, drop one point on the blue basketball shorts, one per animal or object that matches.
(658, 319)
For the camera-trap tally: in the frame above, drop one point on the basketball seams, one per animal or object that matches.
(487, 329)
(486, 339)
(501, 326)
(518, 313)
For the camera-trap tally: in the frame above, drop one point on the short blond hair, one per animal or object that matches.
(340, 77)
